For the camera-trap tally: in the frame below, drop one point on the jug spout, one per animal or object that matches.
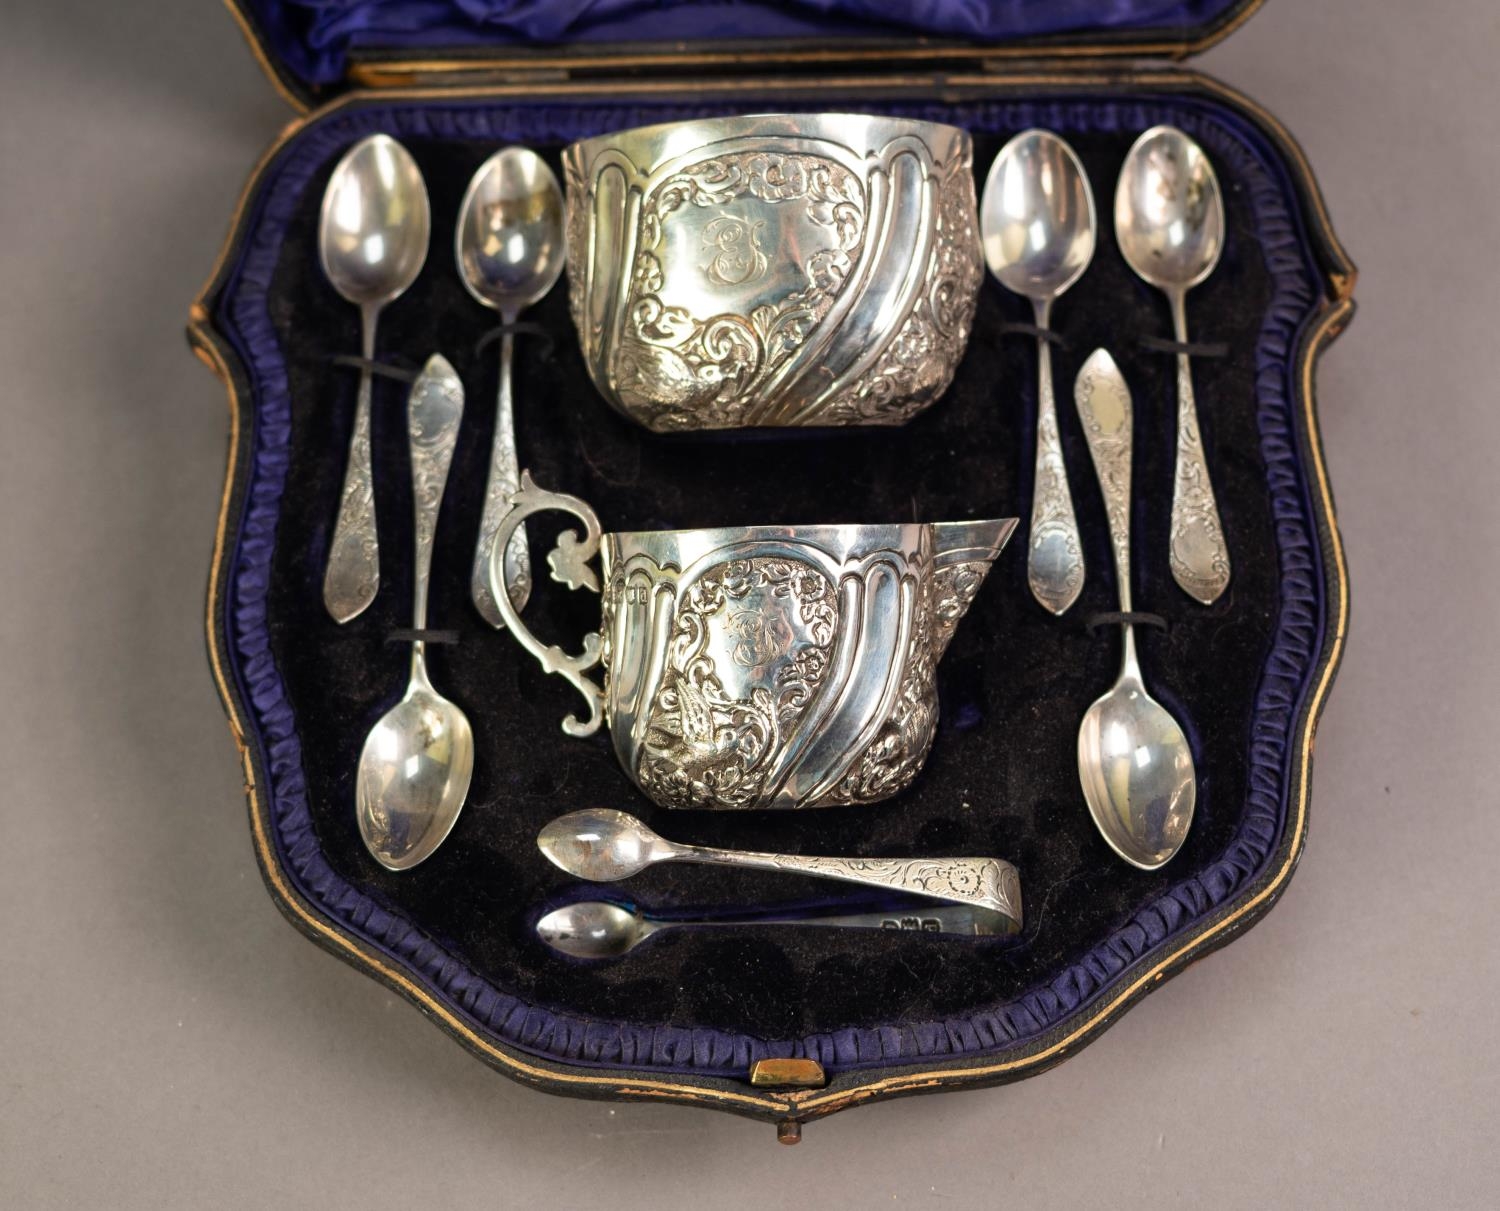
(962, 552)
(970, 541)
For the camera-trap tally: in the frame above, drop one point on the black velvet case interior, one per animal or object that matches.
(1001, 778)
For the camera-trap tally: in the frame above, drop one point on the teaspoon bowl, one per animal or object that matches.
(375, 223)
(1169, 211)
(414, 774)
(509, 241)
(1036, 216)
(1136, 771)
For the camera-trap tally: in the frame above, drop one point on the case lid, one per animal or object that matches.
(315, 49)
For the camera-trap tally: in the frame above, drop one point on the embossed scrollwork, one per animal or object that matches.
(352, 577)
(686, 371)
(773, 621)
(1105, 409)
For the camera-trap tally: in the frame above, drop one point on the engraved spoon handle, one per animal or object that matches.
(1104, 407)
(434, 411)
(984, 883)
(1108, 426)
(504, 478)
(1054, 561)
(352, 576)
(1199, 555)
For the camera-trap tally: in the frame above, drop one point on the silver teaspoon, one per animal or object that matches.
(510, 251)
(597, 929)
(602, 845)
(417, 761)
(1038, 229)
(1169, 221)
(1133, 760)
(372, 243)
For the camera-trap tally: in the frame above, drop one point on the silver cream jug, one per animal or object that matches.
(765, 666)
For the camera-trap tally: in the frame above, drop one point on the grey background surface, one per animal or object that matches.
(166, 1040)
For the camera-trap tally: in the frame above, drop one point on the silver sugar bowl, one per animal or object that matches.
(774, 269)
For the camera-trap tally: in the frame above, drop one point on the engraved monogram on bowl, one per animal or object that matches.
(767, 277)
(764, 667)
(737, 257)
